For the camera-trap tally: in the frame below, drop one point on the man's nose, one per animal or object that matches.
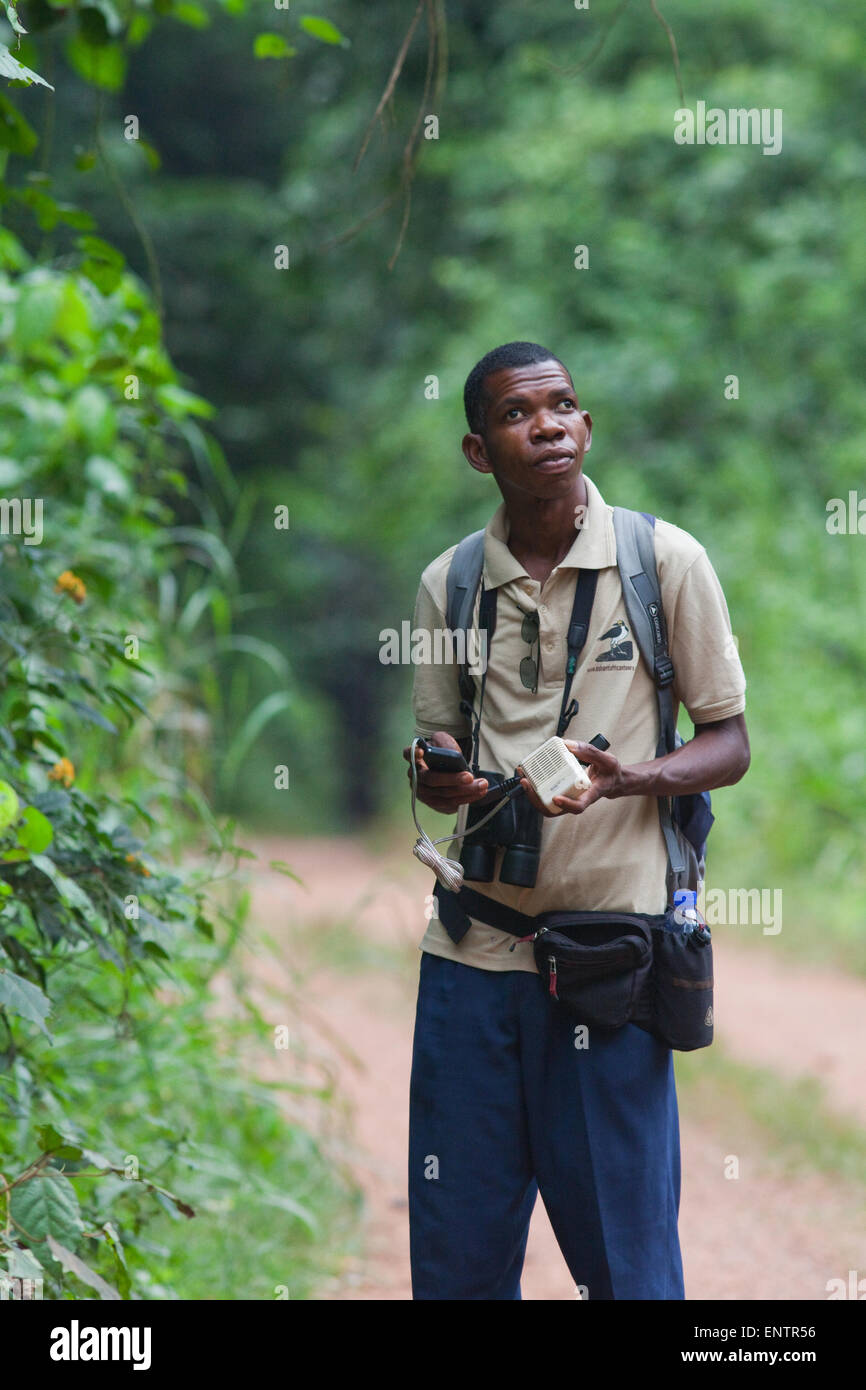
(547, 423)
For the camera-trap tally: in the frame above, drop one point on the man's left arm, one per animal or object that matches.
(717, 756)
(710, 683)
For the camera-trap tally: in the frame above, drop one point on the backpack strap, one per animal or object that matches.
(578, 628)
(464, 576)
(635, 557)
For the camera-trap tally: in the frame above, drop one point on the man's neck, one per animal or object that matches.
(541, 533)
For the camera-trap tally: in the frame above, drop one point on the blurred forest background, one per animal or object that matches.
(305, 387)
(703, 262)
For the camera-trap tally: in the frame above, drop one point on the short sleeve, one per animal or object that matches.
(709, 677)
(436, 690)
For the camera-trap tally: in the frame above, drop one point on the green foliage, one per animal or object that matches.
(170, 1109)
(118, 597)
(272, 46)
(322, 29)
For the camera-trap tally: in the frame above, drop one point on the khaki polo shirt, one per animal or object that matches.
(612, 856)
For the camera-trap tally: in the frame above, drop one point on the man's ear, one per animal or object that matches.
(587, 420)
(476, 453)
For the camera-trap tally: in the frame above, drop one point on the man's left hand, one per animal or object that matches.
(604, 771)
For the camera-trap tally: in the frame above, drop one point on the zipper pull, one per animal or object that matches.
(553, 977)
(521, 939)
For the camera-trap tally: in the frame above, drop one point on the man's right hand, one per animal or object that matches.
(444, 791)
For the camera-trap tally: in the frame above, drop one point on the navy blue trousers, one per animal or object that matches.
(504, 1104)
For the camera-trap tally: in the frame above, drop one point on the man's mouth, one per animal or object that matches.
(555, 460)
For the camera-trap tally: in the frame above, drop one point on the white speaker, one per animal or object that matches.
(553, 770)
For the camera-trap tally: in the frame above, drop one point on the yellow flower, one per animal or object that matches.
(63, 771)
(69, 583)
(137, 864)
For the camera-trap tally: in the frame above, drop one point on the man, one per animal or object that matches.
(504, 1100)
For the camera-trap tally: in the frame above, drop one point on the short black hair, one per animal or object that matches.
(508, 355)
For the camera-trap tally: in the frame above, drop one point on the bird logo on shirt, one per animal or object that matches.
(620, 649)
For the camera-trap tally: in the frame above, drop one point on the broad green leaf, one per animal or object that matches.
(56, 1145)
(12, 16)
(101, 249)
(155, 951)
(103, 66)
(23, 1264)
(16, 72)
(73, 323)
(8, 805)
(322, 29)
(272, 46)
(189, 13)
(22, 958)
(13, 255)
(49, 1138)
(124, 1282)
(37, 309)
(35, 831)
(179, 402)
(73, 1265)
(46, 1205)
(22, 997)
(15, 134)
(92, 413)
(139, 27)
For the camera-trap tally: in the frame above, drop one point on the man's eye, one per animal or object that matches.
(566, 400)
(514, 411)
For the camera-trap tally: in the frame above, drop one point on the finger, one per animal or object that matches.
(452, 781)
(588, 753)
(453, 796)
(533, 798)
(449, 805)
(577, 804)
(419, 755)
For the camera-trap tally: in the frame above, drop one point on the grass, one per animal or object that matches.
(334, 943)
(790, 1119)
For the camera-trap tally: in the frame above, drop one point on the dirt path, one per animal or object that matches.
(762, 1235)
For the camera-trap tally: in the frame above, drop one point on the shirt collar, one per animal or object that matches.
(594, 545)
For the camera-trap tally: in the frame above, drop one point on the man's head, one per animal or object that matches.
(526, 426)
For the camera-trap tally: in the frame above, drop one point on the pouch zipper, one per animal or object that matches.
(531, 937)
(552, 964)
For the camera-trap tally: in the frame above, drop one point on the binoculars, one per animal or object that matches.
(516, 828)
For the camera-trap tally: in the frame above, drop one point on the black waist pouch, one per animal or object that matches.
(596, 964)
(676, 1002)
(611, 968)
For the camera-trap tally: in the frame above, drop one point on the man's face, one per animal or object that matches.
(536, 434)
